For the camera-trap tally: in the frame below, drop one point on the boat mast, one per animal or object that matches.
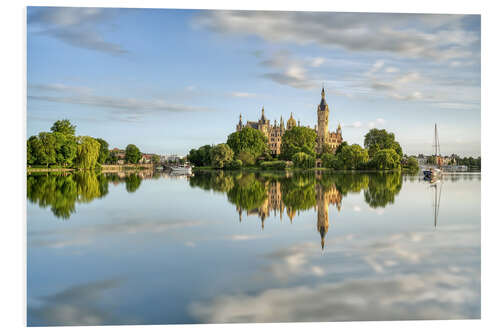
(437, 150)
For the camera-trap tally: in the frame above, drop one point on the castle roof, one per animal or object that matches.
(322, 105)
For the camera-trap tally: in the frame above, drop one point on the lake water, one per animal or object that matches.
(222, 247)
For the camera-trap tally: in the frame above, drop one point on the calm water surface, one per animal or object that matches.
(251, 247)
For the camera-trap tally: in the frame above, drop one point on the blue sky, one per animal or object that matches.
(170, 80)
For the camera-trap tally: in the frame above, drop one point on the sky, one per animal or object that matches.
(172, 80)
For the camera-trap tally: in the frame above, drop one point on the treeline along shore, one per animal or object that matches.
(248, 149)
(60, 150)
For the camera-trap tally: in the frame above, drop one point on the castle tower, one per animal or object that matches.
(323, 113)
(239, 127)
(291, 122)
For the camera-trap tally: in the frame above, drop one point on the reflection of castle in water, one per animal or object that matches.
(274, 203)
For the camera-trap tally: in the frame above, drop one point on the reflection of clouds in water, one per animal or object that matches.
(433, 295)
(290, 261)
(247, 237)
(417, 275)
(76, 305)
(81, 235)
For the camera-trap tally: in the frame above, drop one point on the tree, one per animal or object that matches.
(412, 163)
(341, 146)
(330, 161)
(87, 152)
(33, 150)
(64, 127)
(200, 156)
(353, 157)
(377, 139)
(298, 139)
(47, 152)
(155, 159)
(246, 157)
(303, 160)
(112, 158)
(221, 155)
(386, 159)
(327, 149)
(249, 140)
(66, 148)
(103, 151)
(132, 154)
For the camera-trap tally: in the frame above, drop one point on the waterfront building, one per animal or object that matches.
(274, 132)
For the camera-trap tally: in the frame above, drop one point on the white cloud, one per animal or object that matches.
(408, 35)
(76, 26)
(288, 71)
(316, 62)
(241, 94)
(391, 70)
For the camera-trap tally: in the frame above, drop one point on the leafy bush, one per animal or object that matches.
(274, 165)
(235, 165)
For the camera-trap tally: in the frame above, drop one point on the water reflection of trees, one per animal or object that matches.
(262, 193)
(296, 191)
(61, 192)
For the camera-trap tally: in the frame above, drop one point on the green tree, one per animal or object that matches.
(103, 151)
(155, 159)
(246, 157)
(386, 159)
(412, 163)
(303, 160)
(353, 157)
(200, 156)
(112, 158)
(298, 139)
(330, 161)
(87, 152)
(132, 154)
(221, 155)
(33, 150)
(377, 139)
(66, 148)
(64, 127)
(327, 149)
(248, 140)
(47, 152)
(341, 146)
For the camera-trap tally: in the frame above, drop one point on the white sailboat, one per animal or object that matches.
(435, 172)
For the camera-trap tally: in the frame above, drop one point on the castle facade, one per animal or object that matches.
(274, 132)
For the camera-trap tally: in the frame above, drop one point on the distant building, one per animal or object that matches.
(275, 132)
(174, 158)
(146, 158)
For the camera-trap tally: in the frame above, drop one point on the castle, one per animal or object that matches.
(275, 132)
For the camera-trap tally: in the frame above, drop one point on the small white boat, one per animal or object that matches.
(185, 169)
(435, 172)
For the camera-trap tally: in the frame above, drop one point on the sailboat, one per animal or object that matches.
(434, 172)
